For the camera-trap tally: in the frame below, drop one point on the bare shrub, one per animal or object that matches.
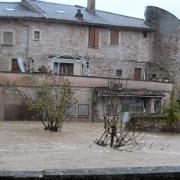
(49, 101)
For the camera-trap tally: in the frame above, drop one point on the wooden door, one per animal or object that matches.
(137, 73)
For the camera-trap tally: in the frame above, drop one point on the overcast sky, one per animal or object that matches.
(133, 8)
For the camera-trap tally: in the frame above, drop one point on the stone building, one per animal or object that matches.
(93, 48)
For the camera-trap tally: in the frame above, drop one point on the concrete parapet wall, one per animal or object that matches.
(17, 79)
(149, 173)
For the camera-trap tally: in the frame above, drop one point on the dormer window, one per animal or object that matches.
(36, 35)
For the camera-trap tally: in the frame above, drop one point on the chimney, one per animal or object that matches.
(91, 6)
(79, 14)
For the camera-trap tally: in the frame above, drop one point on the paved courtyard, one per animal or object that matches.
(26, 146)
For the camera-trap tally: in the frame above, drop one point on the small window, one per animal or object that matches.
(114, 37)
(153, 76)
(119, 73)
(37, 35)
(71, 111)
(93, 39)
(137, 73)
(15, 66)
(86, 68)
(145, 35)
(8, 38)
(83, 110)
(88, 64)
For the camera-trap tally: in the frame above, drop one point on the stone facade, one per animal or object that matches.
(155, 52)
(59, 39)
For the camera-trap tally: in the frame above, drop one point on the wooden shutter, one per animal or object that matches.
(96, 40)
(114, 37)
(137, 73)
(91, 37)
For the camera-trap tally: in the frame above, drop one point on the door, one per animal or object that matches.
(137, 73)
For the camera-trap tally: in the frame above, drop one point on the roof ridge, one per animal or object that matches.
(8, 2)
(41, 1)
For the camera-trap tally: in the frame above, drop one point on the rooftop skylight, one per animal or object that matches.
(10, 9)
(62, 12)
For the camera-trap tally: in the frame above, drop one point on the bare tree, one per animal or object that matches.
(115, 132)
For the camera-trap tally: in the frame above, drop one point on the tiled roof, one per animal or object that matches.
(105, 91)
(67, 13)
(17, 10)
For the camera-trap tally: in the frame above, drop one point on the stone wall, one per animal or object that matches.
(166, 45)
(134, 50)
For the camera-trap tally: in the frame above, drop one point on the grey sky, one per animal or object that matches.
(133, 8)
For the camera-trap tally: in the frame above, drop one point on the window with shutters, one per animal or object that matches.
(93, 39)
(7, 38)
(114, 37)
(137, 73)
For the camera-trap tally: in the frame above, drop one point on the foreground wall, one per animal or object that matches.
(83, 88)
(155, 173)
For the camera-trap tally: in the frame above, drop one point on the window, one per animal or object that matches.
(153, 76)
(93, 40)
(83, 110)
(8, 38)
(71, 111)
(37, 35)
(15, 66)
(63, 68)
(66, 69)
(137, 73)
(119, 73)
(56, 68)
(114, 37)
(86, 68)
(145, 35)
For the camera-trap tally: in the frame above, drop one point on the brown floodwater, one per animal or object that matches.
(27, 146)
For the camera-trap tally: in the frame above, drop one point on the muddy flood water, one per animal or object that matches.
(27, 146)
